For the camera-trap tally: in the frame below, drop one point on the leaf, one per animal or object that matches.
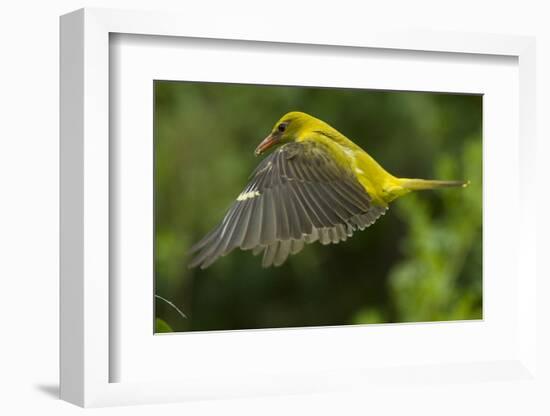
(162, 327)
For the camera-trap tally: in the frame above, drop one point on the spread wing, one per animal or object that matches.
(297, 195)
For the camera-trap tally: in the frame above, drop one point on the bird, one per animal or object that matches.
(315, 185)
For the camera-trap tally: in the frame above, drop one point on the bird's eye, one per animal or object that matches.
(281, 127)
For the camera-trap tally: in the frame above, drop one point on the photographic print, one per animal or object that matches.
(290, 206)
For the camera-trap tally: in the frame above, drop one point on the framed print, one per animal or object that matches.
(164, 206)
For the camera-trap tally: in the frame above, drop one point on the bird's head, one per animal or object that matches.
(289, 128)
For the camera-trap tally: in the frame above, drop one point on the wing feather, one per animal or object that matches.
(269, 224)
(297, 195)
(254, 228)
(269, 254)
(282, 252)
(305, 221)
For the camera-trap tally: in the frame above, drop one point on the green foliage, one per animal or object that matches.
(421, 261)
(161, 326)
(435, 280)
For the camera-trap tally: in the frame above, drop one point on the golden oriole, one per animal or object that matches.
(316, 186)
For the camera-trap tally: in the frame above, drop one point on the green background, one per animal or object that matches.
(422, 261)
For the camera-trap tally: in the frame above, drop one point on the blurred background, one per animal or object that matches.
(422, 261)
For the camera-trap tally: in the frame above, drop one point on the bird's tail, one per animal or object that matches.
(422, 184)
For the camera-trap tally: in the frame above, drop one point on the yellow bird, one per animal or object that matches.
(316, 186)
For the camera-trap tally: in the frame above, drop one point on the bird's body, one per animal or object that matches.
(316, 186)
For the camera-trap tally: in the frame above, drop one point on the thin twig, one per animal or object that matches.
(173, 306)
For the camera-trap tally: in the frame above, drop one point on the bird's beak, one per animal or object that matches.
(266, 144)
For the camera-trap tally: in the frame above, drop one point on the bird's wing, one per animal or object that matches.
(297, 195)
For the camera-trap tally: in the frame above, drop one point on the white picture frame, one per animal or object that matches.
(87, 356)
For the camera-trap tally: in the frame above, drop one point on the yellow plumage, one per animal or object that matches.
(382, 186)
